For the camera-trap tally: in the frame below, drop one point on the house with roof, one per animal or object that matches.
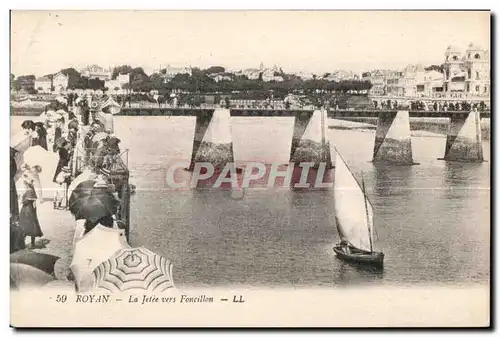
(433, 83)
(60, 82)
(220, 77)
(171, 72)
(43, 84)
(96, 71)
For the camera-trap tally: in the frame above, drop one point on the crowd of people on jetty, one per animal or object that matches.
(430, 106)
(75, 129)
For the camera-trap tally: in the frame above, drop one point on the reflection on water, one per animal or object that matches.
(355, 274)
(431, 220)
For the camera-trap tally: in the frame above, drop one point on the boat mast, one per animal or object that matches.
(367, 216)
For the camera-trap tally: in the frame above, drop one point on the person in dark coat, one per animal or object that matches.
(28, 219)
(72, 136)
(17, 236)
(64, 158)
(14, 202)
(85, 113)
(58, 133)
(89, 145)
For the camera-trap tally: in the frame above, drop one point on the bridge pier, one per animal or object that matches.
(392, 139)
(213, 142)
(463, 142)
(310, 141)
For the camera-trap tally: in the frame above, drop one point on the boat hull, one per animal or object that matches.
(368, 258)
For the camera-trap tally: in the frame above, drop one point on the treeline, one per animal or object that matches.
(240, 86)
(201, 81)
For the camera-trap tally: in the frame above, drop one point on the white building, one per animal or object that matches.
(60, 82)
(96, 71)
(220, 77)
(43, 84)
(467, 73)
(170, 72)
(116, 86)
(433, 83)
(341, 75)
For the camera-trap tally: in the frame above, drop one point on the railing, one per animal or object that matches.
(84, 157)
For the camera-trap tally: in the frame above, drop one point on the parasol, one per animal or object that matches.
(110, 106)
(88, 201)
(52, 116)
(92, 249)
(87, 174)
(59, 286)
(134, 268)
(47, 160)
(37, 155)
(41, 261)
(23, 276)
(99, 136)
(61, 113)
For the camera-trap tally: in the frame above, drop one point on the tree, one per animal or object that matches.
(74, 77)
(25, 82)
(215, 70)
(123, 69)
(139, 80)
(94, 83)
(435, 67)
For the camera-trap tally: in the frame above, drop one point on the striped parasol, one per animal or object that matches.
(108, 105)
(134, 268)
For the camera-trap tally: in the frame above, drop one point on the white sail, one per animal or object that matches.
(354, 220)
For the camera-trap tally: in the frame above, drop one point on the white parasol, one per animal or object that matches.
(47, 160)
(87, 174)
(92, 249)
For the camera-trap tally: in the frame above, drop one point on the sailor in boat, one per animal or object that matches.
(345, 246)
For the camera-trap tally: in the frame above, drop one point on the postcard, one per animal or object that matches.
(250, 168)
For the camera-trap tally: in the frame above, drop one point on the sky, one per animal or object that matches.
(43, 42)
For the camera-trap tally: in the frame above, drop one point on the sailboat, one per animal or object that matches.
(354, 218)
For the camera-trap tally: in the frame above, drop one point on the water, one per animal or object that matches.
(432, 220)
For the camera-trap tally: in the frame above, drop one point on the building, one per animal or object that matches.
(60, 82)
(305, 75)
(378, 79)
(454, 70)
(478, 70)
(467, 73)
(171, 72)
(433, 83)
(117, 86)
(413, 81)
(341, 75)
(43, 84)
(220, 77)
(395, 83)
(464, 75)
(96, 71)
